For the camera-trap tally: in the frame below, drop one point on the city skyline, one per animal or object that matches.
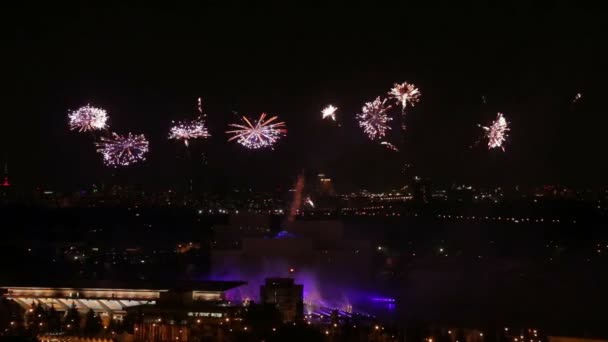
(365, 171)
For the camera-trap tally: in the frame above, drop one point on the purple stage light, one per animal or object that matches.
(382, 299)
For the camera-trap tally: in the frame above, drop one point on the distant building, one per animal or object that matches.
(286, 295)
(241, 226)
(324, 186)
(421, 190)
(322, 249)
(183, 302)
(184, 314)
(462, 194)
(574, 339)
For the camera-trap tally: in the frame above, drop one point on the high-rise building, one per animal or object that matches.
(286, 295)
(324, 185)
(421, 190)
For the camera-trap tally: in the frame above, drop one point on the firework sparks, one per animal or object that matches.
(496, 133)
(329, 112)
(373, 118)
(120, 150)
(310, 202)
(263, 133)
(405, 93)
(577, 97)
(188, 130)
(389, 146)
(88, 118)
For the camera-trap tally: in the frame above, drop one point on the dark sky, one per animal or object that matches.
(146, 66)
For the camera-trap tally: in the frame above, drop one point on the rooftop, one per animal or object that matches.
(176, 285)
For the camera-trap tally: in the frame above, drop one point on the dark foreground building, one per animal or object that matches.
(286, 295)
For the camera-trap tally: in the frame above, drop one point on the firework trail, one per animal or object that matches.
(577, 97)
(374, 119)
(188, 130)
(199, 105)
(329, 112)
(297, 198)
(88, 118)
(497, 132)
(120, 150)
(263, 133)
(390, 146)
(405, 93)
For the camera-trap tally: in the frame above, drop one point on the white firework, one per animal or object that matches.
(497, 132)
(405, 93)
(123, 150)
(262, 133)
(188, 130)
(373, 118)
(88, 118)
(329, 112)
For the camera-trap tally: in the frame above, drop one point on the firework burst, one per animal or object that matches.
(405, 93)
(120, 150)
(188, 130)
(329, 112)
(374, 119)
(88, 118)
(262, 134)
(497, 132)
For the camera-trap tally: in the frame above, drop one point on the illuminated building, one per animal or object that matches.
(180, 303)
(109, 302)
(324, 185)
(286, 295)
(185, 314)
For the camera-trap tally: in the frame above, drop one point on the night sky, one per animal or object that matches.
(147, 66)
